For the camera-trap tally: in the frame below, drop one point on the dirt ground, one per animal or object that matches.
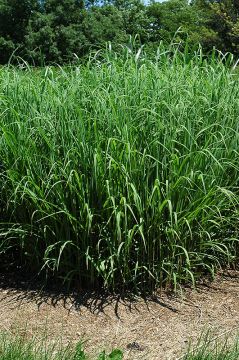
(159, 328)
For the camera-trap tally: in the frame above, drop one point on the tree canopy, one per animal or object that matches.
(59, 30)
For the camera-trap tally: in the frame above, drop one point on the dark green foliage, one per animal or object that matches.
(14, 19)
(225, 20)
(61, 30)
(177, 20)
(104, 24)
(47, 42)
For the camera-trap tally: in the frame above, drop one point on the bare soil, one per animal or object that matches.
(158, 328)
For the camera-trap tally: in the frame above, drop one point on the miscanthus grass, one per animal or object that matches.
(122, 172)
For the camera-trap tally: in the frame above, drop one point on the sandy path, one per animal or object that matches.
(155, 330)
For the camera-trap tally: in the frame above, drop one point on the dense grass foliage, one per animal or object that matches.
(122, 172)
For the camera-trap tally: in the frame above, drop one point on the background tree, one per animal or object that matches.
(179, 20)
(55, 30)
(225, 21)
(102, 24)
(14, 18)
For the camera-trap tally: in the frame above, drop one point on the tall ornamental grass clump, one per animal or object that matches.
(122, 172)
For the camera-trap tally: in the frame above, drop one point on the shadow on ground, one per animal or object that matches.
(18, 289)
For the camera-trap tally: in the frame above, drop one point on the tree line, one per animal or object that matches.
(58, 31)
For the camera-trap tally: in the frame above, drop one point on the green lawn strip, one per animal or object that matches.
(18, 348)
(214, 349)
